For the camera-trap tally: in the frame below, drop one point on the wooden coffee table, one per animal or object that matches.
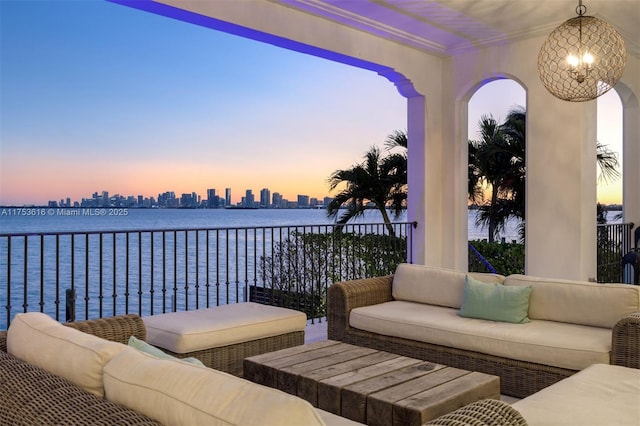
(367, 385)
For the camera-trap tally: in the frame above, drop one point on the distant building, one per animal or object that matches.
(327, 201)
(276, 200)
(303, 201)
(249, 199)
(167, 199)
(227, 196)
(265, 196)
(188, 201)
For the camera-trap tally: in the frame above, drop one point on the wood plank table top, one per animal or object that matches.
(367, 385)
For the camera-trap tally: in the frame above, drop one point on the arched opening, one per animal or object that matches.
(610, 154)
(616, 147)
(496, 176)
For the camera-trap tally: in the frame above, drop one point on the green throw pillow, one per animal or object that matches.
(143, 346)
(495, 302)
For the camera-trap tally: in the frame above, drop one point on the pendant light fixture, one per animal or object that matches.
(581, 59)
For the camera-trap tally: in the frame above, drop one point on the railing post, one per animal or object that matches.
(70, 304)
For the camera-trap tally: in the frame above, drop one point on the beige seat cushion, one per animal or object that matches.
(550, 343)
(598, 395)
(188, 331)
(178, 393)
(435, 286)
(66, 352)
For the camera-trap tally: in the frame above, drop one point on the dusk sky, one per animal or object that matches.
(98, 96)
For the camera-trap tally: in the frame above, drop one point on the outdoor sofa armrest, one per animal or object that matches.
(32, 396)
(625, 341)
(347, 295)
(3, 341)
(485, 412)
(117, 328)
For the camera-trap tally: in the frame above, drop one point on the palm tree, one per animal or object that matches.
(497, 161)
(489, 163)
(381, 180)
(395, 166)
(476, 195)
(514, 129)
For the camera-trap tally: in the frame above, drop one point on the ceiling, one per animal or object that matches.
(447, 26)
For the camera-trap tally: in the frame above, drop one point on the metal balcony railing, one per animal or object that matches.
(82, 275)
(614, 241)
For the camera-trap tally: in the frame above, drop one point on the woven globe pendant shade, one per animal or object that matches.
(581, 59)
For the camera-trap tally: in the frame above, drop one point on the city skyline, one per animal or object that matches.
(214, 199)
(98, 95)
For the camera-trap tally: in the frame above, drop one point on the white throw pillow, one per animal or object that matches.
(66, 352)
(174, 392)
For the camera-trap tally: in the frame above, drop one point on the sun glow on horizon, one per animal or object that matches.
(148, 113)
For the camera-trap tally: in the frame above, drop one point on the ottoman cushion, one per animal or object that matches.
(598, 395)
(189, 331)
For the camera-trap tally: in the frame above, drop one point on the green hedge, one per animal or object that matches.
(506, 258)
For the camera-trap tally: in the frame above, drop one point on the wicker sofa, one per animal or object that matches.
(100, 380)
(31, 395)
(415, 312)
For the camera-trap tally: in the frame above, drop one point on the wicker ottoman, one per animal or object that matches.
(221, 337)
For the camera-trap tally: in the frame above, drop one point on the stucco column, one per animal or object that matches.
(561, 190)
(416, 180)
(429, 166)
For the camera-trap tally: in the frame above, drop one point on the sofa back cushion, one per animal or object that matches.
(434, 286)
(174, 392)
(66, 352)
(578, 302)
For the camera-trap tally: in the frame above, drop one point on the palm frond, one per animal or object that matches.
(607, 161)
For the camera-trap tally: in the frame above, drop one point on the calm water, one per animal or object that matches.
(134, 219)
